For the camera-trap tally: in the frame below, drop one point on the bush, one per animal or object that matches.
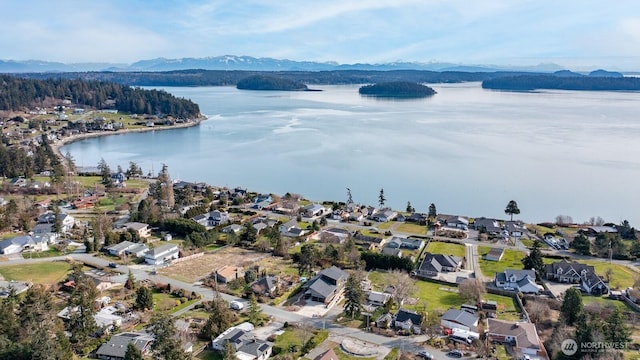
(183, 300)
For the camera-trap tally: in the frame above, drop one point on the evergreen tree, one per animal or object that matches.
(410, 208)
(219, 320)
(571, 305)
(105, 174)
(57, 220)
(354, 297)
(381, 198)
(581, 244)
(249, 234)
(144, 298)
(616, 329)
(131, 282)
(133, 353)
(349, 197)
(534, 259)
(307, 258)
(82, 323)
(255, 313)
(512, 209)
(165, 346)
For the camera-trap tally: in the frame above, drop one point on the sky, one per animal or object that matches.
(576, 34)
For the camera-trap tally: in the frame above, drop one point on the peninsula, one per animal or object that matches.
(397, 89)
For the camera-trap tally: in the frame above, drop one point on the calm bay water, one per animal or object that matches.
(466, 149)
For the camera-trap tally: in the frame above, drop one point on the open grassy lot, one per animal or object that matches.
(39, 273)
(512, 259)
(438, 247)
(164, 302)
(411, 228)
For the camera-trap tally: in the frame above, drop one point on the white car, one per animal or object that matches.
(425, 355)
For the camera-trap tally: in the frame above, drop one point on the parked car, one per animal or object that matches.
(113, 265)
(455, 353)
(425, 355)
(236, 305)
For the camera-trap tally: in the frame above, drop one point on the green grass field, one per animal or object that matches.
(38, 273)
(446, 248)
(411, 228)
(512, 259)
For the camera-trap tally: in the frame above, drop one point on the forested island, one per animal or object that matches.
(18, 93)
(262, 82)
(563, 82)
(397, 89)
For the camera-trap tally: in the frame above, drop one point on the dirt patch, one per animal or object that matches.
(200, 268)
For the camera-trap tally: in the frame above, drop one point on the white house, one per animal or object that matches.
(523, 281)
(162, 254)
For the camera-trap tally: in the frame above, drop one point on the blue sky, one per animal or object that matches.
(573, 33)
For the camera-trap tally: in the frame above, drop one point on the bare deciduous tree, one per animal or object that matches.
(404, 286)
(472, 290)
(537, 310)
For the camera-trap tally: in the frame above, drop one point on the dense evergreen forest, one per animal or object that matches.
(262, 82)
(231, 78)
(553, 82)
(397, 89)
(18, 93)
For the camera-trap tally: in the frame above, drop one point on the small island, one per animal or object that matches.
(397, 89)
(262, 82)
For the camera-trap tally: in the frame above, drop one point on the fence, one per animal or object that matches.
(190, 257)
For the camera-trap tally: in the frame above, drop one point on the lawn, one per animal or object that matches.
(440, 298)
(622, 277)
(588, 300)
(438, 247)
(162, 302)
(412, 228)
(42, 254)
(512, 259)
(40, 273)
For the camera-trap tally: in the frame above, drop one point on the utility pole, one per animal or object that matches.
(610, 253)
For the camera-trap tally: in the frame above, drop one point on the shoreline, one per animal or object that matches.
(57, 145)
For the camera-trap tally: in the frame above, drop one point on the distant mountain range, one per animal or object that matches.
(231, 62)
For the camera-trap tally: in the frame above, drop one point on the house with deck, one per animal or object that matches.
(327, 287)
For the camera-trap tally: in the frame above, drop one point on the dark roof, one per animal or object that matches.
(254, 347)
(435, 262)
(334, 273)
(403, 315)
(265, 283)
(460, 317)
(495, 253)
(391, 251)
(117, 345)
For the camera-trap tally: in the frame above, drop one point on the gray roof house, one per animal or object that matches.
(247, 347)
(432, 264)
(459, 319)
(327, 286)
(162, 254)
(518, 280)
(116, 347)
(490, 226)
(576, 273)
(266, 285)
(398, 242)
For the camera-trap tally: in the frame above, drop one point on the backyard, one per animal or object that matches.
(512, 259)
(438, 247)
